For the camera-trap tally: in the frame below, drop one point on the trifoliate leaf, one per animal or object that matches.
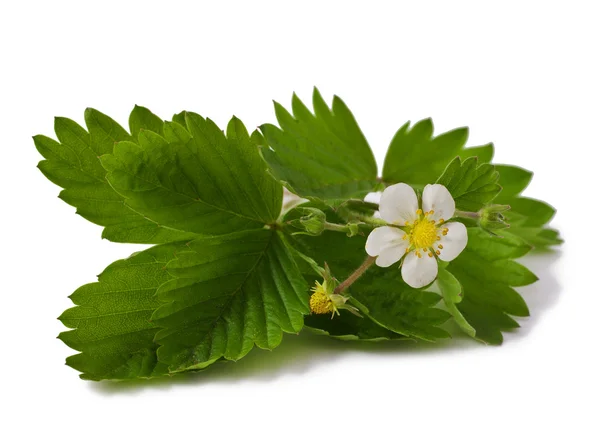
(527, 217)
(322, 155)
(73, 164)
(111, 324)
(230, 293)
(416, 157)
(472, 185)
(452, 294)
(487, 272)
(199, 180)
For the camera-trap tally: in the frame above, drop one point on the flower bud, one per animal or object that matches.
(491, 217)
(312, 222)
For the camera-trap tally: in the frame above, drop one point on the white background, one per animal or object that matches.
(522, 74)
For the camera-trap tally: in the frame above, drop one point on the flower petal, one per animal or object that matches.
(389, 256)
(454, 242)
(436, 197)
(419, 271)
(388, 244)
(398, 204)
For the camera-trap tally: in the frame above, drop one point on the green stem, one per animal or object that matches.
(336, 227)
(369, 220)
(469, 214)
(355, 275)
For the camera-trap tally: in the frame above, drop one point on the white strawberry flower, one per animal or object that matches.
(420, 235)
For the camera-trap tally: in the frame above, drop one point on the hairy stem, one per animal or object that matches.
(355, 275)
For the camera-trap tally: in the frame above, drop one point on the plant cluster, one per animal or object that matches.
(259, 234)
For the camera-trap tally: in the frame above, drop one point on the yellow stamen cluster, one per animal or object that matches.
(423, 233)
(320, 302)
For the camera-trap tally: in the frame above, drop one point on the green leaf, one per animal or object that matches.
(525, 212)
(72, 163)
(142, 118)
(111, 322)
(471, 185)
(348, 326)
(532, 213)
(452, 294)
(484, 153)
(322, 155)
(230, 293)
(514, 180)
(179, 118)
(398, 307)
(497, 247)
(209, 183)
(416, 157)
(527, 217)
(537, 237)
(487, 272)
(175, 133)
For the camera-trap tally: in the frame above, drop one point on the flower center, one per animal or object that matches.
(423, 233)
(320, 303)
